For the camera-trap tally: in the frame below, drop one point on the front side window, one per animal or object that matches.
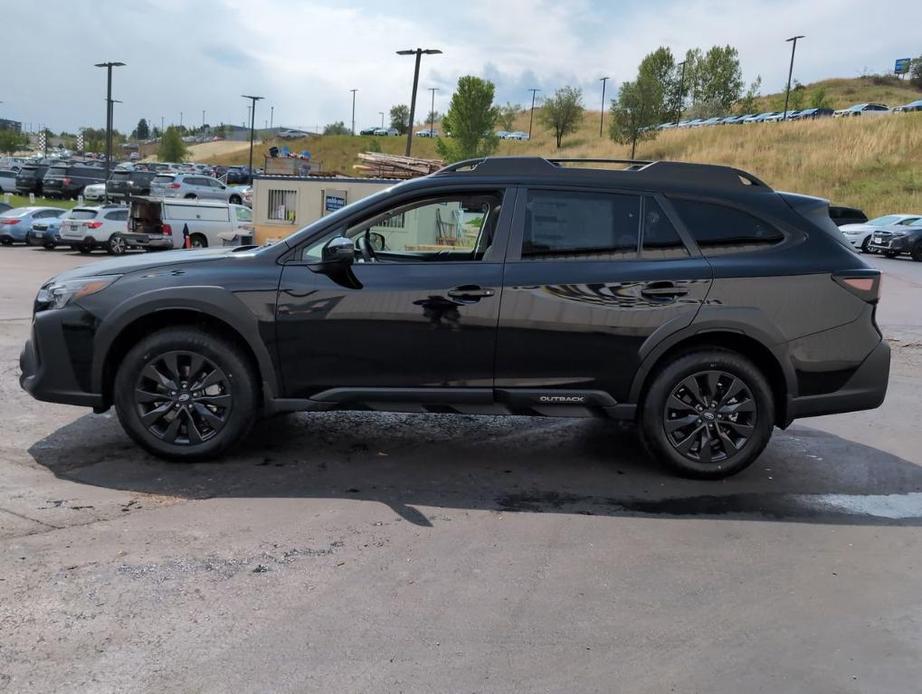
(718, 229)
(448, 228)
(243, 214)
(572, 225)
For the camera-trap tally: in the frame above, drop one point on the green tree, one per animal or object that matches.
(630, 120)
(470, 119)
(172, 148)
(659, 83)
(563, 112)
(142, 131)
(505, 115)
(747, 104)
(915, 72)
(400, 118)
(819, 98)
(12, 141)
(337, 128)
(715, 79)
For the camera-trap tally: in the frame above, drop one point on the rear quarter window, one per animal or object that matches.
(718, 229)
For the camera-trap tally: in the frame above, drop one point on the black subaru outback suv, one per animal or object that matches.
(693, 299)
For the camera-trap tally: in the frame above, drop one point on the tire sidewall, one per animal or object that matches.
(654, 403)
(221, 353)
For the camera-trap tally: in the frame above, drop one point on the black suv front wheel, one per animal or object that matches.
(185, 394)
(708, 414)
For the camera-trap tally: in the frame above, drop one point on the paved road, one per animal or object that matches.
(372, 552)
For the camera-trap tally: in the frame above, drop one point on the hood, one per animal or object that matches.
(143, 261)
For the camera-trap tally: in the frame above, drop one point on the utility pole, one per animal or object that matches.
(253, 99)
(203, 119)
(353, 110)
(108, 67)
(180, 119)
(432, 112)
(161, 126)
(381, 113)
(272, 116)
(603, 80)
(531, 117)
(418, 52)
(680, 96)
(787, 93)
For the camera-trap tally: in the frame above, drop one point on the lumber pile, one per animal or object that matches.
(380, 165)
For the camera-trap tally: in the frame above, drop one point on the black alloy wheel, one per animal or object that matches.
(183, 398)
(710, 416)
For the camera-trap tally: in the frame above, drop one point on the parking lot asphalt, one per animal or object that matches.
(343, 552)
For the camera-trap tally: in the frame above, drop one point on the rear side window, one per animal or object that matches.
(118, 215)
(57, 171)
(719, 229)
(660, 238)
(577, 225)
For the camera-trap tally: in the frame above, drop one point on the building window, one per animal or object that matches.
(283, 206)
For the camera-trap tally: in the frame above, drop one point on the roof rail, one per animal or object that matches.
(676, 172)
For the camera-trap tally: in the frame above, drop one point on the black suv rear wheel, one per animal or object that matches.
(185, 394)
(708, 414)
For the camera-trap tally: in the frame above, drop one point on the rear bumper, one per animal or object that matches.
(864, 390)
(153, 242)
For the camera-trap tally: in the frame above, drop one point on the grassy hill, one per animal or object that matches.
(842, 92)
(871, 163)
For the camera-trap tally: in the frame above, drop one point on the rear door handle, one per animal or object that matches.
(663, 291)
(471, 292)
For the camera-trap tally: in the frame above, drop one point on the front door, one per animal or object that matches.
(589, 278)
(419, 315)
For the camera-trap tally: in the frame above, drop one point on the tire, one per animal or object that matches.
(48, 246)
(235, 200)
(890, 254)
(864, 244)
(916, 252)
(198, 241)
(190, 196)
(117, 245)
(7, 242)
(178, 414)
(85, 249)
(672, 426)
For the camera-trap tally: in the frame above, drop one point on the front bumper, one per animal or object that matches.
(898, 244)
(59, 348)
(864, 390)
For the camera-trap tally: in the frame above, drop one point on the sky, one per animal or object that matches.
(304, 56)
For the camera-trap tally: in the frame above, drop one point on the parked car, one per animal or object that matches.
(47, 232)
(812, 113)
(862, 110)
(846, 215)
(29, 178)
(696, 272)
(191, 187)
(502, 134)
(95, 191)
(517, 135)
(16, 223)
(160, 224)
(368, 131)
(89, 228)
(4, 207)
(238, 175)
(292, 134)
(69, 180)
(124, 184)
(389, 132)
(7, 181)
(779, 116)
(427, 133)
(907, 239)
(859, 235)
(911, 106)
(760, 117)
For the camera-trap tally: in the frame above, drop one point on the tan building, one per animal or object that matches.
(284, 204)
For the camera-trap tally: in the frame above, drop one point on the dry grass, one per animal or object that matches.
(871, 163)
(844, 92)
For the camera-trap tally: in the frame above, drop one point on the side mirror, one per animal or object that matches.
(339, 250)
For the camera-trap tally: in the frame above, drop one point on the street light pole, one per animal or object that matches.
(272, 116)
(203, 120)
(680, 97)
(603, 80)
(109, 67)
(381, 113)
(432, 112)
(418, 52)
(253, 99)
(353, 110)
(531, 118)
(787, 93)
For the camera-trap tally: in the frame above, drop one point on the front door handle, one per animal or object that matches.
(663, 291)
(470, 292)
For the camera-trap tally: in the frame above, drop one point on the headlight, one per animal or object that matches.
(58, 293)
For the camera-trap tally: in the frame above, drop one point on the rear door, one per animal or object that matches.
(590, 276)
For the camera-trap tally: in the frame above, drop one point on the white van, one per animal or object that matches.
(156, 223)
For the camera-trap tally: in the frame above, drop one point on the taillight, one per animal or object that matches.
(65, 181)
(174, 186)
(865, 284)
(93, 225)
(167, 230)
(8, 221)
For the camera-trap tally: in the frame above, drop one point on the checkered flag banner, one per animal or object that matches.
(80, 142)
(41, 140)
